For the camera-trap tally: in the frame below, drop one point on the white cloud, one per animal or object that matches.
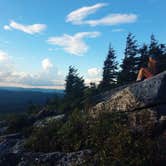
(7, 27)
(93, 72)
(46, 64)
(30, 29)
(78, 16)
(94, 80)
(3, 56)
(93, 75)
(113, 19)
(73, 44)
(9, 76)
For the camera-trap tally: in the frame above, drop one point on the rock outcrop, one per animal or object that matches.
(147, 94)
(44, 122)
(54, 158)
(144, 103)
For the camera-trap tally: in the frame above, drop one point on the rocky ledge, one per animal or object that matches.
(144, 103)
(50, 159)
(147, 94)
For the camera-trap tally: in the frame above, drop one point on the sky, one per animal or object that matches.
(40, 39)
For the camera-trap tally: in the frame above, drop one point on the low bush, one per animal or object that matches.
(18, 123)
(109, 137)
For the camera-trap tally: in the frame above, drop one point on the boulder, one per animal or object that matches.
(9, 143)
(51, 159)
(45, 113)
(3, 127)
(150, 94)
(10, 136)
(44, 122)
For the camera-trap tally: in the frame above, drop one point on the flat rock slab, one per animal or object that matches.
(139, 95)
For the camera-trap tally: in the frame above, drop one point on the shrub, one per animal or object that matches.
(109, 137)
(18, 122)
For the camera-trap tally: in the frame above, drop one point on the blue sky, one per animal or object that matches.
(39, 39)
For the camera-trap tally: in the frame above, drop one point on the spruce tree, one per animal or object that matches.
(109, 79)
(89, 96)
(154, 46)
(129, 67)
(74, 89)
(160, 51)
(162, 58)
(144, 54)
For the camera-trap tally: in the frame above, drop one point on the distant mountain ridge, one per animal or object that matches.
(32, 89)
(13, 99)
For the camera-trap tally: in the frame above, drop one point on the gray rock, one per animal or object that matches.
(50, 159)
(10, 136)
(18, 148)
(3, 127)
(3, 130)
(3, 123)
(8, 143)
(45, 113)
(44, 122)
(5, 146)
(140, 95)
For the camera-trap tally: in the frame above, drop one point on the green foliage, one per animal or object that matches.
(162, 58)
(73, 133)
(18, 123)
(59, 135)
(144, 52)
(129, 66)
(89, 94)
(109, 71)
(44, 139)
(109, 137)
(160, 51)
(116, 144)
(154, 46)
(34, 109)
(74, 90)
(56, 103)
(19, 101)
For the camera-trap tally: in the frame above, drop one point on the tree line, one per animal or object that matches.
(78, 95)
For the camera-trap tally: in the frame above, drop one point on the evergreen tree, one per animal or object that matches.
(162, 58)
(90, 95)
(129, 67)
(144, 54)
(160, 51)
(109, 71)
(154, 46)
(74, 89)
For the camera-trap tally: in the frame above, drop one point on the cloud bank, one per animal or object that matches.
(49, 77)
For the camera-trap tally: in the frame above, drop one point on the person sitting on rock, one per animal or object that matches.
(149, 71)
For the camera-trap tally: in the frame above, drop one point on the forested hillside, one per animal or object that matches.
(19, 101)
